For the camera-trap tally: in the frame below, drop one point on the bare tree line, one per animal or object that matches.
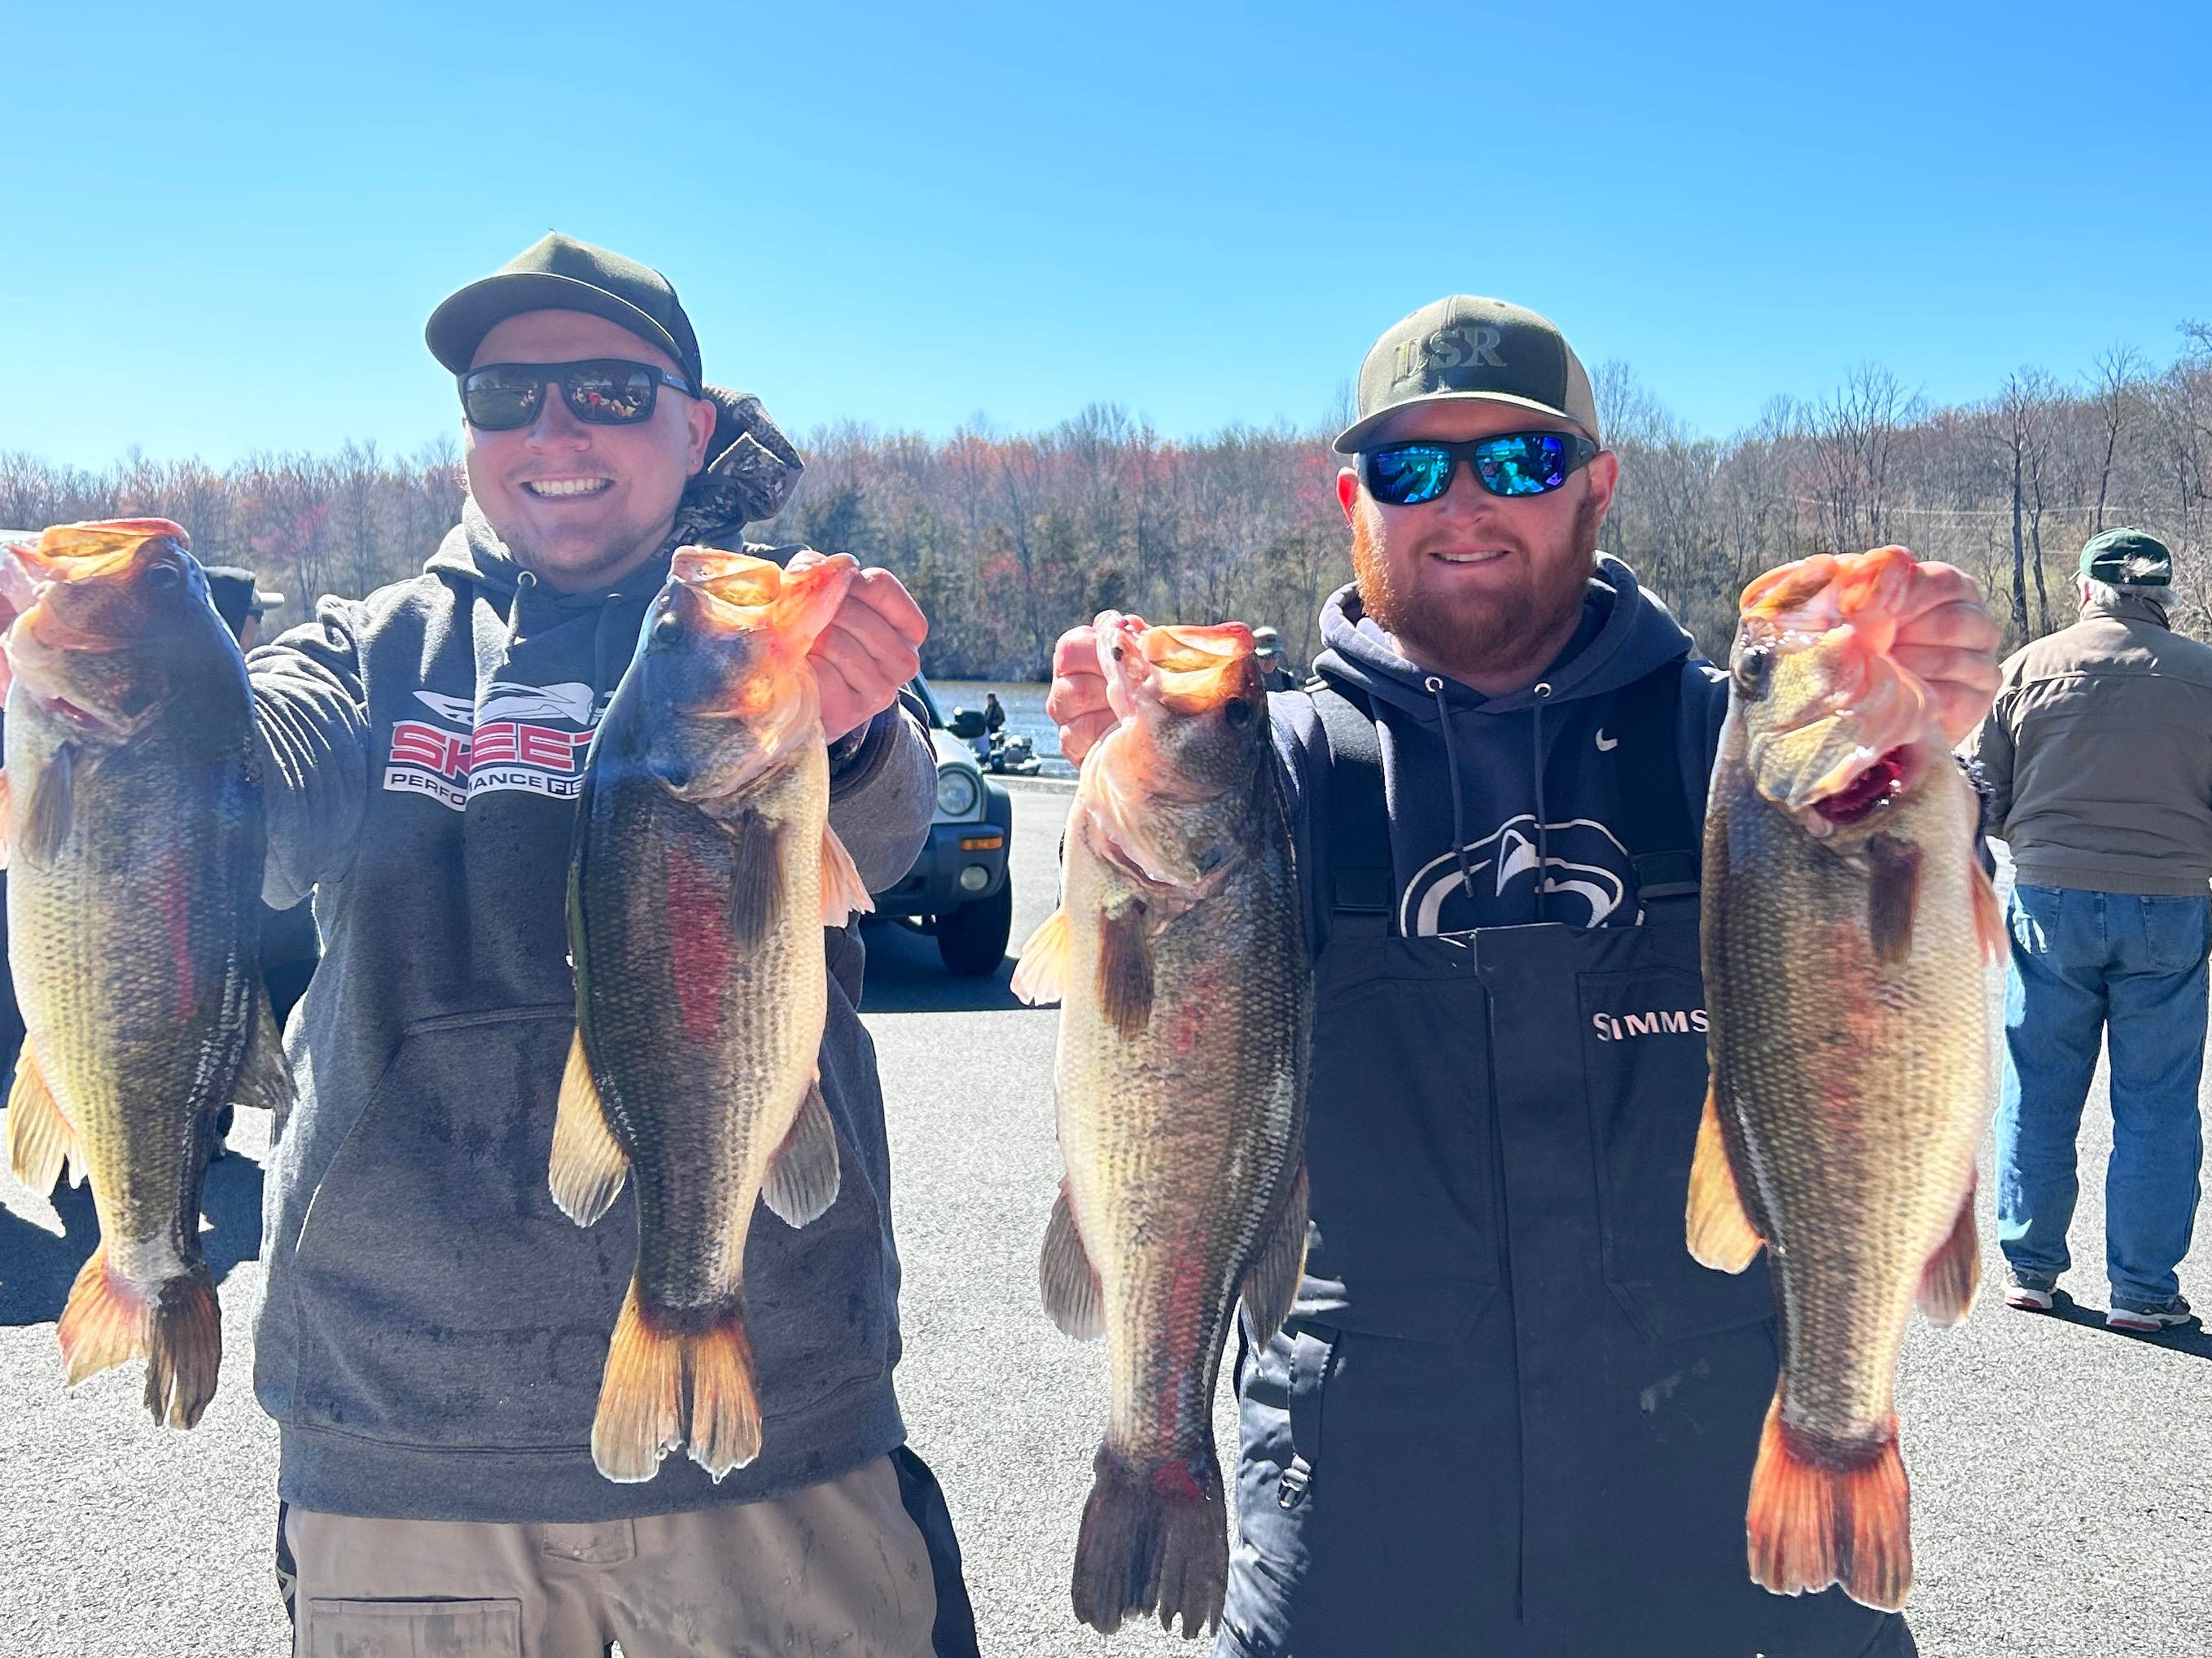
(1007, 539)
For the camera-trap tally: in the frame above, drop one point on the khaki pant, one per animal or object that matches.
(838, 1567)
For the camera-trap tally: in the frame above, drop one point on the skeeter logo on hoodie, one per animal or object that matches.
(506, 742)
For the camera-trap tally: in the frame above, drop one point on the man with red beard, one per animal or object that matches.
(1509, 1414)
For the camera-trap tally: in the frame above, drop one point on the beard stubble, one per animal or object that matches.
(1485, 636)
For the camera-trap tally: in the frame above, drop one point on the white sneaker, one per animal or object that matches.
(2029, 1294)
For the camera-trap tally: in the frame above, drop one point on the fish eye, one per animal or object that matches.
(1238, 712)
(667, 628)
(1117, 652)
(1753, 668)
(165, 576)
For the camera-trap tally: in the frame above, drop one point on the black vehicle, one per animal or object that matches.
(958, 890)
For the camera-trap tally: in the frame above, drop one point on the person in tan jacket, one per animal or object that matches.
(2098, 759)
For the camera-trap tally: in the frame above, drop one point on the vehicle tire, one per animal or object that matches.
(973, 938)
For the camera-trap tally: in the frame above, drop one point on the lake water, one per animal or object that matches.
(1024, 706)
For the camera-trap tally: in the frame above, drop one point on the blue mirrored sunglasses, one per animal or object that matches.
(1512, 464)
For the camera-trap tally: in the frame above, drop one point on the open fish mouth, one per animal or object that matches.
(1873, 789)
(1183, 667)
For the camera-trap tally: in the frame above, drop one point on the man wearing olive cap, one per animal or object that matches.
(1509, 1414)
(435, 1330)
(2098, 756)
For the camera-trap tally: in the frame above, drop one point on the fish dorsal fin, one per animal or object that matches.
(1720, 1234)
(803, 1175)
(1273, 1283)
(1073, 1296)
(265, 1080)
(1040, 975)
(1954, 1270)
(40, 1138)
(589, 1164)
(844, 894)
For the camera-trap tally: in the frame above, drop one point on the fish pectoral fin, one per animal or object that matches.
(40, 1138)
(843, 892)
(1073, 1296)
(647, 1410)
(1720, 1235)
(265, 1080)
(1040, 975)
(1954, 1270)
(802, 1176)
(7, 824)
(1125, 969)
(1272, 1283)
(53, 805)
(1813, 1521)
(756, 878)
(1989, 914)
(589, 1164)
(1893, 896)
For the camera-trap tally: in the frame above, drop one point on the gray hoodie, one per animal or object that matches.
(435, 1329)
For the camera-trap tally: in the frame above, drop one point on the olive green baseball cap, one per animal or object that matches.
(1467, 350)
(2127, 558)
(559, 273)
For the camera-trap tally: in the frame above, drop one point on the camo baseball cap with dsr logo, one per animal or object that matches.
(1466, 350)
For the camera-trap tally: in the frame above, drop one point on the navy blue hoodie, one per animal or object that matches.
(1476, 809)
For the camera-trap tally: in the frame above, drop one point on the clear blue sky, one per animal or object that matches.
(225, 224)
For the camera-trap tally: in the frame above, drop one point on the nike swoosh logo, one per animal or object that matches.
(1606, 745)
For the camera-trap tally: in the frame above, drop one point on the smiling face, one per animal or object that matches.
(1484, 588)
(577, 504)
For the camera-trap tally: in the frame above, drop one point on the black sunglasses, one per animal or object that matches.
(1512, 464)
(604, 391)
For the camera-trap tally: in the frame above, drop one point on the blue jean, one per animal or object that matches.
(2132, 970)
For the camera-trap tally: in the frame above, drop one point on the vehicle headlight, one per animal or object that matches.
(957, 791)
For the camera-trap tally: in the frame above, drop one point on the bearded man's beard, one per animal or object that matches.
(1470, 636)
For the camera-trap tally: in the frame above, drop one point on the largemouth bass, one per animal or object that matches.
(703, 872)
(1179, 956)
(1846, 923)
(132, 808)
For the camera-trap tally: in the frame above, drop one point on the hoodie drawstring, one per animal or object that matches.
(1436, 688)
(599, 643)
(523, 581)
(1541, 690)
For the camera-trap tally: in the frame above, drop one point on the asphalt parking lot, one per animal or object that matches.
(2062, 1474)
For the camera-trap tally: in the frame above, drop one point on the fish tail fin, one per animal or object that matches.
(1954, 1270)
(40, 1139)
(665, 1388)
(844, 894)
(1153, 1536)
(1988, 915)
(178, 1332)
(184, 1353)
(1040, 975)
(1720, 1235)
(1816, 1519)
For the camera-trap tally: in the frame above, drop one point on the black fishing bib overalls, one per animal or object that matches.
(1512, 1415)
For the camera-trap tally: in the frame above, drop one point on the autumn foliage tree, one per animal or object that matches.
(1008, 539)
